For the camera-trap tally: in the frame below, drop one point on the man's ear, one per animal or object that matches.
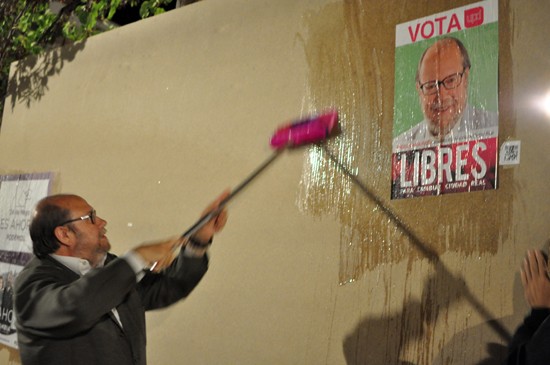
(62, 234)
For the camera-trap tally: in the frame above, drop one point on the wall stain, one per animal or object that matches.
(350, 54)
(349, 48)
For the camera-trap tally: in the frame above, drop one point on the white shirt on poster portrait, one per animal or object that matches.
(474, 124)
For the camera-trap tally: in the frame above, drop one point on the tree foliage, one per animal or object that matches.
(28, 27)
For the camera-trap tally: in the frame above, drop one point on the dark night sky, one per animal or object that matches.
(128, 14)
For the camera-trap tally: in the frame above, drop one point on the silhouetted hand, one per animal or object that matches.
(534, 277)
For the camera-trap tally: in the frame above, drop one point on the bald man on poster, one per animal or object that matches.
(76, 303)
(442, 80)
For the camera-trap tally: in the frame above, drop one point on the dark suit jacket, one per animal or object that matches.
(64, 319)
(530, 344)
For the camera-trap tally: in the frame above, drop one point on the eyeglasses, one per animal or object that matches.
(91, 216)
(450, 82)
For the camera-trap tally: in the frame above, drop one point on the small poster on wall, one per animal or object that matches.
(445, 126)
(18, 196)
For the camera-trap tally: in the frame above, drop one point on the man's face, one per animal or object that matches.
(89, 239)
(444, 107)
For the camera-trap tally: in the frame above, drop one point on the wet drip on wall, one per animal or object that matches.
(350, 51)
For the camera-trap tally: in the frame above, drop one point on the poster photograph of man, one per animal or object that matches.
(446, 117)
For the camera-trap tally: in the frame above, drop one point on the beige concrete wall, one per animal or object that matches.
(151, 121)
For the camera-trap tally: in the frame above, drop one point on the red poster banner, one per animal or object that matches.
(452, 168)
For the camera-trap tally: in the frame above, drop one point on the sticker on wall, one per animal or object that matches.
(510, 152)
(446, 103)
(18, 196)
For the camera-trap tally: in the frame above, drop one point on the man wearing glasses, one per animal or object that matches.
(442, 87)
(76, 303)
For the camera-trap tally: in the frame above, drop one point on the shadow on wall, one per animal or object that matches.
(383, 340)
(378, 341)
(483, 335)
(375, 341)
(29, 77)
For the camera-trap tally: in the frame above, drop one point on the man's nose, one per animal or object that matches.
(437, 96)
(442, 91)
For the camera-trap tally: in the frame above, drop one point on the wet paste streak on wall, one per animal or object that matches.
(350, 54)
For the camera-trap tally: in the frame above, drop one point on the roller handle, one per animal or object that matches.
(202, 221)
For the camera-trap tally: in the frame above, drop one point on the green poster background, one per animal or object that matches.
(482, 45)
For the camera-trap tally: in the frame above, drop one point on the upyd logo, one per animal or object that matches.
(447, 23)
(473, 17)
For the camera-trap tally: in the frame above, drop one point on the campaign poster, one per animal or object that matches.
(445, 126)
(18, 196)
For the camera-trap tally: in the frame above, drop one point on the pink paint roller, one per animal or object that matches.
(305, 131)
